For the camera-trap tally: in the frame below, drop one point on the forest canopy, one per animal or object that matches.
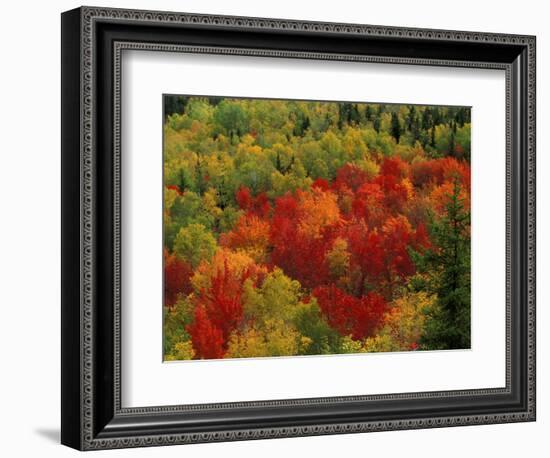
(306, 228)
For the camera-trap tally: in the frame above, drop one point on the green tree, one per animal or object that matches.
(174, 104)
(199, 110)
(175, 322)
(277, 297)
(188, 209)
(195, 243)
(426, 119)
(411, 117)
(319, 169)
(395, 127)
(463, 136)
(444, 139)
(310, 323)
(445, 270)
(231, 119)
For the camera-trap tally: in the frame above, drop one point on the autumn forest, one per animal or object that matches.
(308, 228)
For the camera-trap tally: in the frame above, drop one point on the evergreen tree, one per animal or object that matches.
(415, 129)
(223, 194)
(343, 114)
(462, 116)
(436, 116)
(182, 181)
(354, 116)
(199, 177)
(446, 274)
(368, 113)
(426, 119)
(395, 127)
(376, 124)
(278, 164)
(411, 118)
(297, 130)
(174, 104)
(452, 144)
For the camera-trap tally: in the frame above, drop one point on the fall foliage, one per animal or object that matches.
(307, 228)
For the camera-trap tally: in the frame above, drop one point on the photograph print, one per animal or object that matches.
(296, 227)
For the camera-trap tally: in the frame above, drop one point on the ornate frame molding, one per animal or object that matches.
(89, 436)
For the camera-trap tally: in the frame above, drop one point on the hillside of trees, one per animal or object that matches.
(306, 228)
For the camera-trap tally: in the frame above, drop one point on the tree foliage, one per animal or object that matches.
(304, 228)
(446, 267)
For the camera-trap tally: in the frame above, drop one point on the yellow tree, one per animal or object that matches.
(317, 209)
(251, 236)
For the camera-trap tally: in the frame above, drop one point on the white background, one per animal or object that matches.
(148, 75)
(30, 245)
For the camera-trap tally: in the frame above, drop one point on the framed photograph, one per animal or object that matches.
(276, 228)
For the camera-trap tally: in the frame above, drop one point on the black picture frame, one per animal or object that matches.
(92, 40)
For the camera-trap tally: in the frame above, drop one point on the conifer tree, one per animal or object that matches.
(446, 268)
(395, 127)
